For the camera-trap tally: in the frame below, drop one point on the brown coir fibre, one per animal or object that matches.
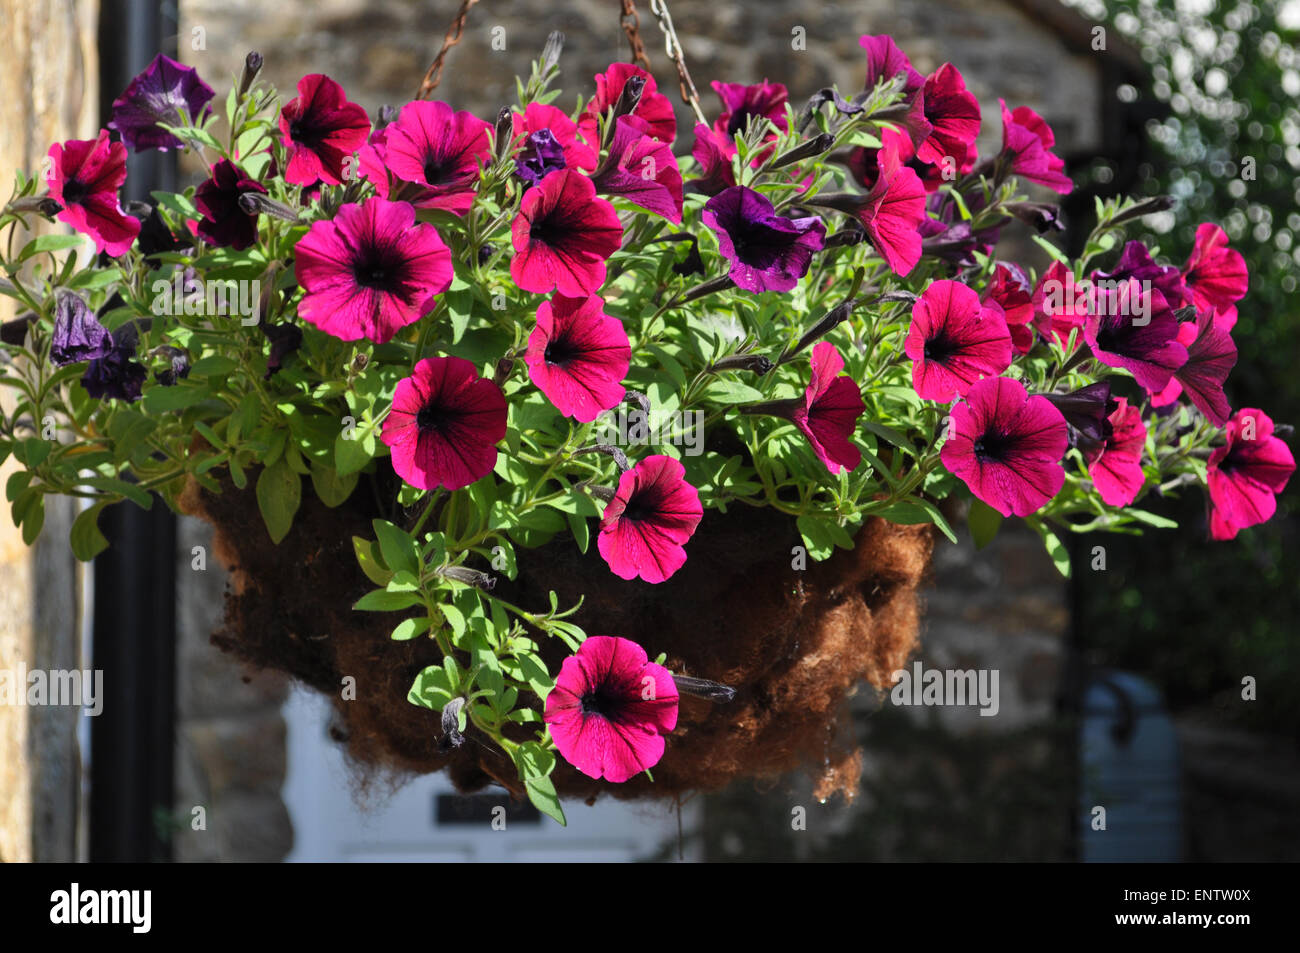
(794, 644)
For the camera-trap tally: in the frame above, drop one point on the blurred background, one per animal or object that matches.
(1120, 688)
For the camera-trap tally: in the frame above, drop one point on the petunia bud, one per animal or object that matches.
(819, 99)
(1042, 217)
(629, 99)
(503, 368)
(812, 147)
(603, 493)
(252, 66)
(619, 456)
(551, 51)
(831, 320)
(255, 203)
(15, 332)
(451, 736)
(1086, 411)
(285, 339)
(42, 204)
(1161, 203)
(503, 132)
(703, 688)
(470, 577)
(757, 363)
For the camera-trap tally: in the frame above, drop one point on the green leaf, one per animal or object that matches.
(1151, 519)
(541, 791)
(332, 489)
(984, 522)
(410, 628)
(398, 549)
(351, 453)
(432, 689)
(732, 392)
(1055, 548)
(112, 485)
(44, 243)
(279, 492)
(87, 541)
(370, 565)
(817, 536)
(1052, 250)
(381, 600)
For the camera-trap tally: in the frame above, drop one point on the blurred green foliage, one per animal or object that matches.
(1199, 616)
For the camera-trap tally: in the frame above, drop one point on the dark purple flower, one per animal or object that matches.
(768, 252)
(117, 374)
(158, 95)
(178, 369)
(285, 339)
(1136, 262)
(78, 335)
(642, 170)
(1087, 411)
(1135, 329)
(224, 223)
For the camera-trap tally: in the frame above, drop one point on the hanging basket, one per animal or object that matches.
(794, 642)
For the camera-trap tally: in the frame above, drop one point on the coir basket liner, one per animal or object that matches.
(792, 642)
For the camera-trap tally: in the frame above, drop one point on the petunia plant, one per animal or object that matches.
(552, 325)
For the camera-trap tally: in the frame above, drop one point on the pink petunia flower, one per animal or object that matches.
(1216, 275)
(1061, 304)
(548, 141)
(322, 131)
(1027, 141)
(1136, 262)
(1211, 355)
(562, 236)
(654, 109)
(954, 341)
(1246, 474)
(828, 414)
(741, 103)
(642, 170)
(1134, 328)
(430, 156)
(885, 61)
(1115, 465)
(85, 177)
(444, 424)
(713, 153)
(768, 252)
(1007, 446)
(644, 529)
(578, 356)
(892, 213)
(953, 113)
(610, 708)
(370, 271)
(1010, 290)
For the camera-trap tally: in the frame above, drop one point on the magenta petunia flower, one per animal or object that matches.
(578, 355)
(321, 131)
(444, 424)
(954, 341)
(1216, 275)
(1115, 464)
(828, 414)
(1134, 328)
(1007, 446)
(548, 141)
(768, 252)
(741, 103)
(610, 708)
(84, 179)
(158, 95)
(885, 61)
(1061, 304)
(562, 236)
(370, 271)
(1211, 355)
(893, 212)
(1027, 141)
(224, 223)
(713, 153)
(430, 156)
(1246, 474)
(1010, 290)
(642, 170)
(1136, 262)
(953, 114)
(644, 529)
(654, 109)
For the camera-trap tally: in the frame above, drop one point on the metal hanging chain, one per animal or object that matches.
(452, 37)
(631, 23)
(674, 49)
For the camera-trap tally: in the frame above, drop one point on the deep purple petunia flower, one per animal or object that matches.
(1135, 329)
(158, 95)
(1115, 464)
(86, 174)
(642, 170)
(321, 130)
(610, 708)
(563, 235)
(548, 141)
(1086, 411)
(1007, 446)
(444, 424)
(954, 341)
(370, 271)
(644, 529)
(1136, 262)
(578, 355)
(78, 335)
(741, 103)
(224, 223)
(1246, 474)
(117, 374)
(768, 252)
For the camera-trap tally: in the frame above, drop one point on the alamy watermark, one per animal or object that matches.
(57, 688)
(937, 686)
(192, 296)
(634, 427)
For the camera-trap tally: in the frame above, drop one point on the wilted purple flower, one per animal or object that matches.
(768, 252)
(285, 339)
(158, 95)
(179, 367)
(117, 374)
(78, 335)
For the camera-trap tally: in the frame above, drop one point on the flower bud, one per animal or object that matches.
(252, 66)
